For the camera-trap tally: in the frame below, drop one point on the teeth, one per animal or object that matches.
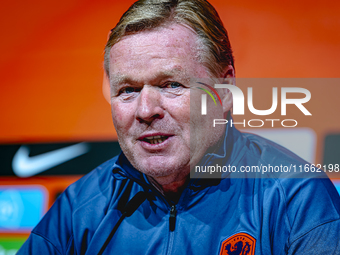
(155, 139)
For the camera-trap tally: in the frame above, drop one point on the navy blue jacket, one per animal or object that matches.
(226, 216)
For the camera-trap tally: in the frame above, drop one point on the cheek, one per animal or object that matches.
(180, 110)
(121, 115)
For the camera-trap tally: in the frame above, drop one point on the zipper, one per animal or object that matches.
(172, 224)
(172, 218)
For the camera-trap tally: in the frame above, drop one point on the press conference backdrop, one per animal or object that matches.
(55, 123)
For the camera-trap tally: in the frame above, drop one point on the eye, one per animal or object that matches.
(174, 85)
(127, 90)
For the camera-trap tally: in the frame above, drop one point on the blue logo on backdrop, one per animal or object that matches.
(21, 208)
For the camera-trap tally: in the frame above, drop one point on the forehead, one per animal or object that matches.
(166, 49)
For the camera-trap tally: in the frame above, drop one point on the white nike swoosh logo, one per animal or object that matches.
(25, 166)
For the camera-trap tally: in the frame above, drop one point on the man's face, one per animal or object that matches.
(150, 79)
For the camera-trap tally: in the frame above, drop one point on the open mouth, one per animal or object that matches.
(155, 139)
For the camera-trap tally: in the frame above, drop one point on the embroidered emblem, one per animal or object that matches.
(239, 244)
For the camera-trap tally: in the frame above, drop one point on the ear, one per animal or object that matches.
(106, 87)
(227, 98)
(106, 80)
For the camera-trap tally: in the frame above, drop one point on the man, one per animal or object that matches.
(143, 201)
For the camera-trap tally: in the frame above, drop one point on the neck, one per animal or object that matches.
(171, 191)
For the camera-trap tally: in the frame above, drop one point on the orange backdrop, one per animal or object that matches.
(52, 52)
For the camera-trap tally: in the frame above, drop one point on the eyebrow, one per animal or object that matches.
(126, 79)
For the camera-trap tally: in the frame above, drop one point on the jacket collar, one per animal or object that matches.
(228, 151)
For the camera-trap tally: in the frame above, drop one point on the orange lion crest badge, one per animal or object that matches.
(239, 244)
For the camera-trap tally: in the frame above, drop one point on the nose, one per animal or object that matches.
(149, 105)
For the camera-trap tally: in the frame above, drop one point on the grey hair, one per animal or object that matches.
(213, 47)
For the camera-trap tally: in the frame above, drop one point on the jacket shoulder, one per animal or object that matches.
(272, 153)
(93, 183)
(311, 199)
